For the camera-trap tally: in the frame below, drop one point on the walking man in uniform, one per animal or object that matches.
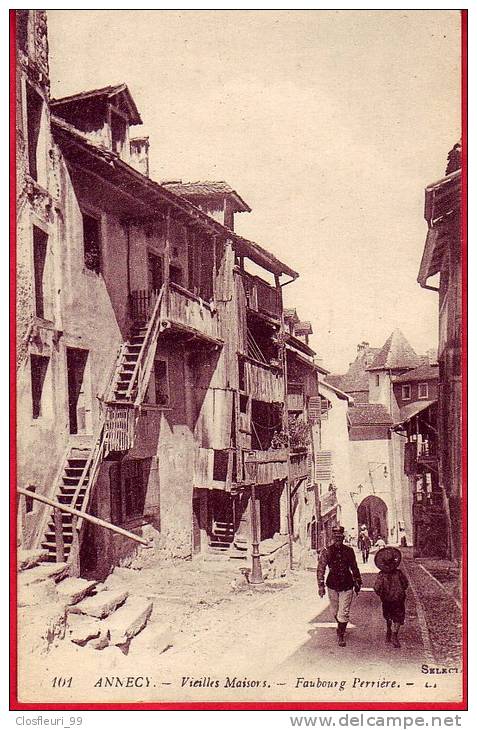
(343, 577)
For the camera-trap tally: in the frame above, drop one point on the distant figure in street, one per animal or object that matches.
(391, 585)
(343, 577)
(364, 544)
(380, 543)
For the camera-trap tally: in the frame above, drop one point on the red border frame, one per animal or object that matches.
(192, 706)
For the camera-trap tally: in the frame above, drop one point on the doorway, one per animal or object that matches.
(154, 271)
(79, 397)
(373, 513)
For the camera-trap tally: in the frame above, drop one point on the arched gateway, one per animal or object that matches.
(373, 513)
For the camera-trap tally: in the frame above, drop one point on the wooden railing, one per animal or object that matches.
(141, 304)
(299, 467)
(142, 371)
(80, 515)
(261, 297)
(190, 311)
(264, 467)
(328, 501)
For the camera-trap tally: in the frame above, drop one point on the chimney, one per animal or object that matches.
(139, 154)
(362, 347)
(432, 356)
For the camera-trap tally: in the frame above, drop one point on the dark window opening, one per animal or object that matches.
(39, 367)
(175, 274)
(34, 110)
(29, 501)
(154, 272)
(241, 373)
(269, 512)
(377, 379)
(22, 29)
(221, 461)
(76, 360)
(243, 403)
(134, 488)
(92, 242)
(261, 341)
(161, 383)
(266, 422)
(118, 133)
(40, 240)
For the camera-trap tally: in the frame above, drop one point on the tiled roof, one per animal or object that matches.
(412, 409)
(203, 189)
(423, 372)
(395, 353)
(356, 379)
(369, 414)
(108, 91)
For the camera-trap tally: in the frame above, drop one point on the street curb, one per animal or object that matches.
(421, 619)
(448, 593)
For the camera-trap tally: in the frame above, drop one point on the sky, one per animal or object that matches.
(330, 124)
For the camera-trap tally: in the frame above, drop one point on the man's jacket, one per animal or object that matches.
(343, 569)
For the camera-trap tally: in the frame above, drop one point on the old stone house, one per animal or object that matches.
(152, 357)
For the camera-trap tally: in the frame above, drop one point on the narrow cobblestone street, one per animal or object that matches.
(279, 637)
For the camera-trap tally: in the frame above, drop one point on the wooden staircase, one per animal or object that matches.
(123, 388)
(73, 476)
(223, 541)
(116, 429)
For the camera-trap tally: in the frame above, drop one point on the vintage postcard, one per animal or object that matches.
(239, 333)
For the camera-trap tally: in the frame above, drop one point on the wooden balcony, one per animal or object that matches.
(180, 310)
(261, 297)
(263, 467)
(328, 501)
(299, 465)
(295, 402)
(263, 382)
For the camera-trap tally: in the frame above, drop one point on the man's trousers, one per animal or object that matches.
(340, 602)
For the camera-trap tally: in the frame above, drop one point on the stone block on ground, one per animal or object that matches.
(30, 558)
(37, 593)
(41, 572)
(39, 628)
(82, 628)
(101, 642)
(129, 620)
(156, 638)
(100, 605)
(72, 590)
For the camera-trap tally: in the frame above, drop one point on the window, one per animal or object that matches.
(377, 379)
(161, 383)
(154, 271)
(406, 392)
(221, 461)
(118, 133)
(40, 240)
(243, 402)
(92, 242)
(175, 274)
(22, 29)
(422, 390)
(38, 367)
(134, 487)
(34, 104)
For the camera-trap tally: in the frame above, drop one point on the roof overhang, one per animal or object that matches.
(150, 194)
(324, 386)
(442, 204)
(108, 93)
(411, 411)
